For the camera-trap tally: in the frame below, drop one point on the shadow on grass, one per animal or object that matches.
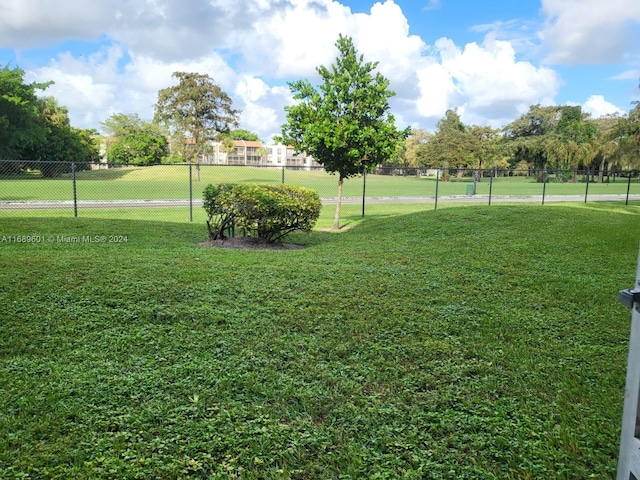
(112, 173)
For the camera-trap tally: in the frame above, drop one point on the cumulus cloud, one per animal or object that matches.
(294, 40)
(597, 106)
(252, 47)
(32, 23)
(397, 52)
(590, 31)
(486, 82)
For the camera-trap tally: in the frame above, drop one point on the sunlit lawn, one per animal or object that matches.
(172, 182)
(469, 342)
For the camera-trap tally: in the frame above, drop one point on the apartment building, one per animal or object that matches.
(252, 153)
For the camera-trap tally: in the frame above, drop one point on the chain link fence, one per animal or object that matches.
(175, 190)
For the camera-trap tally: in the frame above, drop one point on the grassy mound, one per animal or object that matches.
(471, 342)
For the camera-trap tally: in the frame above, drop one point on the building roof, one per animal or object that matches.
(247, 143)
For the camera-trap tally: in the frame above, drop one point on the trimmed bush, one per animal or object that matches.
(268, 212)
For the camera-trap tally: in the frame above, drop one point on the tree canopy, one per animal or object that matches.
(37, 129)
(344, 123)
(19, 114)
(450, 146)
(196, 111)
(134, 142)
(241, 134)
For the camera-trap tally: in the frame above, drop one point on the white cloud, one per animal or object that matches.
(432, 5)
(631, 74)
(397, 52)
(262, 106)
(251, 47)
(438, 91)
(486, 82)
(597, 106)
(590, 31)
(30, 23)
(293, 41)
(251, 88)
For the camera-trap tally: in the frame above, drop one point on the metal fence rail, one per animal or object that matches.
(80, 187)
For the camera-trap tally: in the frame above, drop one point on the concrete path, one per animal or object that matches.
(54, 204)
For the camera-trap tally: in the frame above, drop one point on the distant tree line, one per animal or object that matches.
(558, 139)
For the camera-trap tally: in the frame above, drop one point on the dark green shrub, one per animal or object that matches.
(220, 218)
(268, 212)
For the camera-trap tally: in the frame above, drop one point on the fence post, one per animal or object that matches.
(190, 192)
(629, 454)
(628, 189)
(586, 192)
(364, 188)
(490, 185)
(435, 206)
(283, 174)
(75, 192)
(545, 176)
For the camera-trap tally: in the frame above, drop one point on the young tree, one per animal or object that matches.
(345, 123)
(196, 109)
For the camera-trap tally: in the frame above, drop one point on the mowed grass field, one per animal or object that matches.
(472, 342)
(172, 182)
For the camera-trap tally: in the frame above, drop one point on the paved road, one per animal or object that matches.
(46, 205)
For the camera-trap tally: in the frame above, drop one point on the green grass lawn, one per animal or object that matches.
(172, 182)
(474, 342)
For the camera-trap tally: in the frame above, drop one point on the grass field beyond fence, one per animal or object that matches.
(462, 343)
(164, 182)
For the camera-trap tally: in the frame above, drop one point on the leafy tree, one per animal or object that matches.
(344, 124)
(485, 148)
(575, 134)
(138, 148)
(37, 130)
(627, 133)
(242, 134)
(120, 124)
(450, 146)
(605, 144)
(61, 143)
(20, 125)
(529, 135)
(196, 110)
(136, 142)
(412, 147)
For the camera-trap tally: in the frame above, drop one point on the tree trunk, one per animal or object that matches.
(197, 172)
(336, 218)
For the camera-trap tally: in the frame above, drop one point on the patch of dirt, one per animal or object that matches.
(249, 243)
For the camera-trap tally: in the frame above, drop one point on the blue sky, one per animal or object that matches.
(490, 59)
